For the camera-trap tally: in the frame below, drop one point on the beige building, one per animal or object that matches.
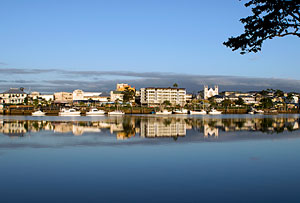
(13, 96)
(116, 95)
(63, 97)
(151, 96)
(80, 95)
(188, 98)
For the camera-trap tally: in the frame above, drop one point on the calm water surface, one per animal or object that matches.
(226, 158)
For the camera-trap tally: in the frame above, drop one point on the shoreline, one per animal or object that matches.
(139, 110)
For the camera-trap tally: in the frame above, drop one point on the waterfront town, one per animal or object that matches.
(127, 99)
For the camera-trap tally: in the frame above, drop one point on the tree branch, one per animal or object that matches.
(288, 33)
(293, 15)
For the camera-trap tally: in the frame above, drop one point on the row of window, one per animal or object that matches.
(14, 95)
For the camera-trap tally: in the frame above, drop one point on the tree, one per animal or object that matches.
(271, 18)
(290, 97)
(35, 102)
(175, 85)
(264, 93)
(279, 93)
(266, 102)
(226, 103)
(128, 94)
(167, 103)
(240, 101)
(212, 101)
(26, 100)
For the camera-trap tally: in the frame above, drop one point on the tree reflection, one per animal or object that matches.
(128, 128)
(153, 127)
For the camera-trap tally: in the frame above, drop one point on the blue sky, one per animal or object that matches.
(166, 36)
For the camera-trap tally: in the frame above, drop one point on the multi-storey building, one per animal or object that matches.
(63, 97)
(13, 96)
(188, 98)
(152, 96)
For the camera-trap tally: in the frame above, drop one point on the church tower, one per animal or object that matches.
(210, 92)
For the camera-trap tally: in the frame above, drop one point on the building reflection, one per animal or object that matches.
(210, 131)
(150, 127)
(163, 127)
(13, 129)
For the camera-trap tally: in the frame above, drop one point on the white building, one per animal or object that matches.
(116, 96)
(295, 99)
(34, 95)
(104, 98)
(37, 95)
(249, 100)
(47, 97)
(155, 96)
(210, 92)
(13, 96)
(80, 95)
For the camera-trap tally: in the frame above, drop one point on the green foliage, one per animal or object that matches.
(35, 102)
(271, 18)
(167, 103)
(266, 102)
(289, 97)
(212, 101)
(279, 93)
(226, 103)
(264, 92)
(128, 127)
(128, 94)
(175, 85)
(26, 100)
(240, 101)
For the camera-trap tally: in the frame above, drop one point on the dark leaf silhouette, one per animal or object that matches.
(271, 18)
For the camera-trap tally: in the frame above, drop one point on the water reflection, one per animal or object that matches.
(151, 127)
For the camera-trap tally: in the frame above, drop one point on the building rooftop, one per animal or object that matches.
(118, 92)
(105, 94)
(14, 91)
(172, 88)
(218, 96)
